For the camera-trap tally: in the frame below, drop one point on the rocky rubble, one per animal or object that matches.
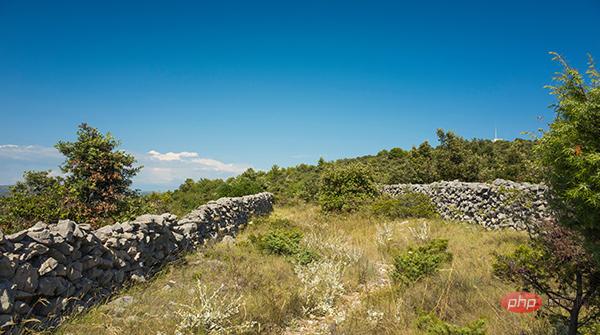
(501, 204)
(49, 270)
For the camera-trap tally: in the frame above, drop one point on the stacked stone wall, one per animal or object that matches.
(500, 204)
(49, 270)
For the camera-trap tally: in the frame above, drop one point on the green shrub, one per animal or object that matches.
(346, 188)
(425, 260)
(432, 325)
(285, 242)
(38, 197)
(407, 205)
(280, 242)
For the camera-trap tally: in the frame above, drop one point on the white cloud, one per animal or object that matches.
(172, 156)
(16, 159)
(215, 165)
(172, 168)
(27, 152)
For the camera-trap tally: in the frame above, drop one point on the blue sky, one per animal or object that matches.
(224, 85)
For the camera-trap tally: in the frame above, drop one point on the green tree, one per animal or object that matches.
(556, 264)
(38, 197)
(97, 173)
(454, 159)
(346, 188)
(569, 152)
(249, 182)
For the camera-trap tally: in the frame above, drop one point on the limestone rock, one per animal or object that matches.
(7, 298)
(49, 265)
(26, 278)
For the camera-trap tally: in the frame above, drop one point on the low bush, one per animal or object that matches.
(432, 325)
(425, 260)
(285, 242)
(211, 312)
(408, 205)
(346, 189)
(322, 285)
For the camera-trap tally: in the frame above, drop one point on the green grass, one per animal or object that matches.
(359, 298)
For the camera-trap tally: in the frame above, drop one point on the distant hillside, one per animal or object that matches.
(4, 190)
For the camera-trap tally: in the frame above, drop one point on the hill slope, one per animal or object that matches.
(348, 289)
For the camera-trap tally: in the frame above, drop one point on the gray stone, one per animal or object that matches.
(7, 298)
(21, 307)
(17, 237)
(6, 320)
(60, 270)
(33, 250)
(105, 278)
(64, 248)
(50, 286)
(26, 278)
(7, 267)
(42, 236)
(73, 274)
(49, 265)
(127, 227)
(228, 240)
(138, 278)
(150, 218)
(124, 301)
(65, 228)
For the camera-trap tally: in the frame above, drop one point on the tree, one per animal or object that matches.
(569, 152)
(97, 173)
(38, 197)
(559, 261)
(454, 159)
(346, 188)
(249, 182)
(556, 264)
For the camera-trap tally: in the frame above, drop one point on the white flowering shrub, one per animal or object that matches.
(384, 234)
(374, 316)
(421, 234)
(211, 312)
(336, 248)
(322, 285)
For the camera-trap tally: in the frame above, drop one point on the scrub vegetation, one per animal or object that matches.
(352, 285)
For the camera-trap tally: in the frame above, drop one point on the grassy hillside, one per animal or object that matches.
(302, 272)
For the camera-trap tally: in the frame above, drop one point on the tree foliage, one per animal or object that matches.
(95, 189)
(38, 197)
(476, 160)
(97, 173)
(346, 188)
(569, 152)
(556, 264)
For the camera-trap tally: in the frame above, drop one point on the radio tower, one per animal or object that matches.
(496, 135)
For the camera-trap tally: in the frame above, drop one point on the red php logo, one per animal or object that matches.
(521, 302)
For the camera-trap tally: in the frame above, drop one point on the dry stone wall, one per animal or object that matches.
(52, 269)
(500, 204)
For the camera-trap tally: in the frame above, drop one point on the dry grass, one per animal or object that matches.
(271, 292)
